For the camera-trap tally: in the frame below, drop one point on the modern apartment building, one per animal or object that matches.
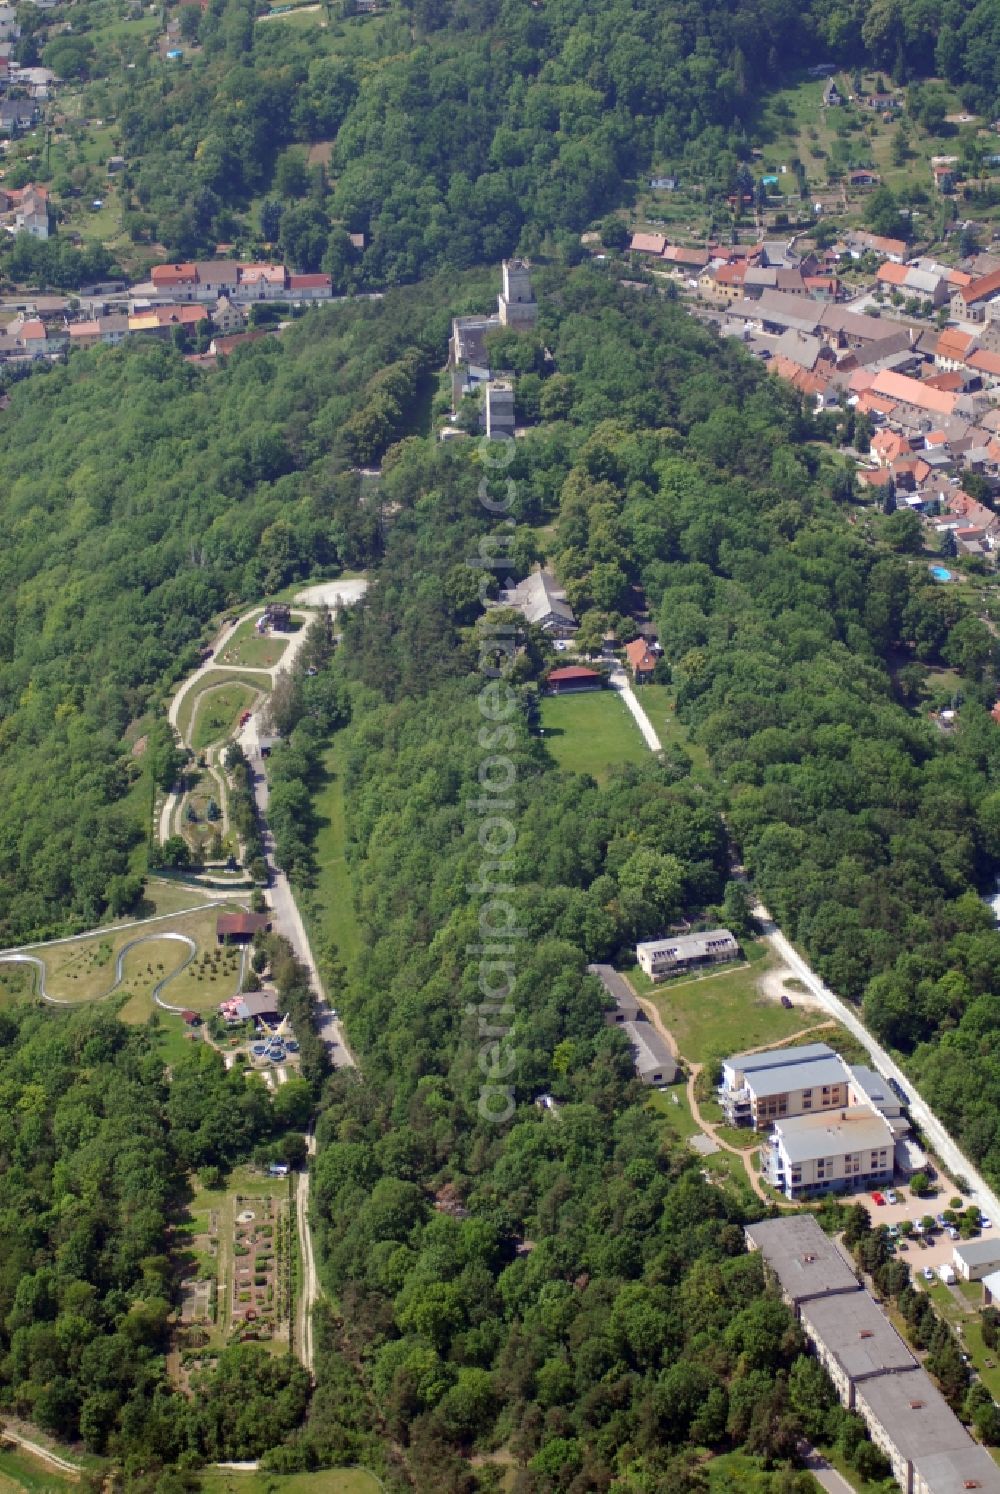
(829, 1152)
(661, 957)
(759, 1089)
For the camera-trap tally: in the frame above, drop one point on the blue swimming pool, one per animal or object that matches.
(940, 573)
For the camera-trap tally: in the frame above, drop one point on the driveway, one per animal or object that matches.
(934, 1132)
(621, 682)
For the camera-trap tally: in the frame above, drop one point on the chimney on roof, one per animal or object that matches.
(916, 1405)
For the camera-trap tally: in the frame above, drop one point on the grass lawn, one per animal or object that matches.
(739, 1471)
(658, 703)
(212, 678)
(17, 983)
(329, 909)
(84, 969)
(253, 651)
(330, 1481)
(22, 1474)
(724, 1012)
(212, 976)
(217, 713)
(144, 968)
(163, 895)
(674, 1113)
(591, 733)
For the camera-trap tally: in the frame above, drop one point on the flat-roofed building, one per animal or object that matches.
(830, 1152)
(661, 957)
(929, 1449)
(761, 1088)
(869, 1088)
(805, 1263)
(974, 1259)
(853, 1340)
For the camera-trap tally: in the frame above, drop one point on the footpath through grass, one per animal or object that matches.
(20, 1473)
(591, 733)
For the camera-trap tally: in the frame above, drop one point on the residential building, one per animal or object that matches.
(866, 1087)
(227, 316)
(29, 333)
(648, 243)
(541, 601)
(953, 348)
(853, 1341)
(758, 1087)
(626, 1008)
(805, 1263)
(661, 957)
(215, 278)
(929, 1449)
(498, 409)
(832, 95)
(872, 1369)
(828, 1152)
(927, 286)
(310, 287)
(654, 1062)
(974, 1259)
(262, 283)
(973, 302)
(516, 303)
(641, 660)
(179, 281)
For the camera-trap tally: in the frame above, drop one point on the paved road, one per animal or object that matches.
(621, 682)
(211, 666)
(937, 1137)
(825, 1475)
(286, 912)
(935, 1133)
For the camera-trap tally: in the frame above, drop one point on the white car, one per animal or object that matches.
(928, 1274)
(892, 1197)
(985, 1223)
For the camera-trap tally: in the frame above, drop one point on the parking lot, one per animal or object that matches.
(935, 1250)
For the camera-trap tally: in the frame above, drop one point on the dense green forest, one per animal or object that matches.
(95, 1147)
(460, 129)
(140, 499)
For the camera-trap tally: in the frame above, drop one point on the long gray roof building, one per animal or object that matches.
(805, 1261)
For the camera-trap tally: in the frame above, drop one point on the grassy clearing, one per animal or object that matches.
(17, 983)
(330, 1481)
(164, 896)
(658, 701)
(329, 909)
(217, 713)
(591, 733)
(725, 1012)
(84, 969)
(674, 1113)
(252, 650)
(22, 1474)
(209, 681)
(738, 1471)
(143, 969)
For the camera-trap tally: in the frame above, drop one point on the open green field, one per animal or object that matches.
(217, 713)
(254, 651)
(658, 701)
(592, 732)
(724, 1012)
(22, 1474)
(330, 1481)
(732, 1472)
(672, 1110)
(329, 907)
(212, 678)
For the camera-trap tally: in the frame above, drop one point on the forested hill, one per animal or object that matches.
(139, 499)
(466, 126)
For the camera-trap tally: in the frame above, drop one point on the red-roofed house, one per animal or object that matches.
(648, 243)
(953, 347)
(724, 284)
(888, 446)
(642, 660)
(891, 274)
(971, 301)
(574, 677)
(912, 392)
(310, 287)
(880, 478)
(987, 366)
(241, 927)
(176, 280)
(951, 382)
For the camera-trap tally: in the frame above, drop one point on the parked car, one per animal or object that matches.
(899, 1092)
(985, 1223)
(786, 1000)
(892, 1196)
(953, 1233)
(245, 717)
(893, 1231)
(947, 1274)
(877, 1198)
(942, 1221)
(928, 1273)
